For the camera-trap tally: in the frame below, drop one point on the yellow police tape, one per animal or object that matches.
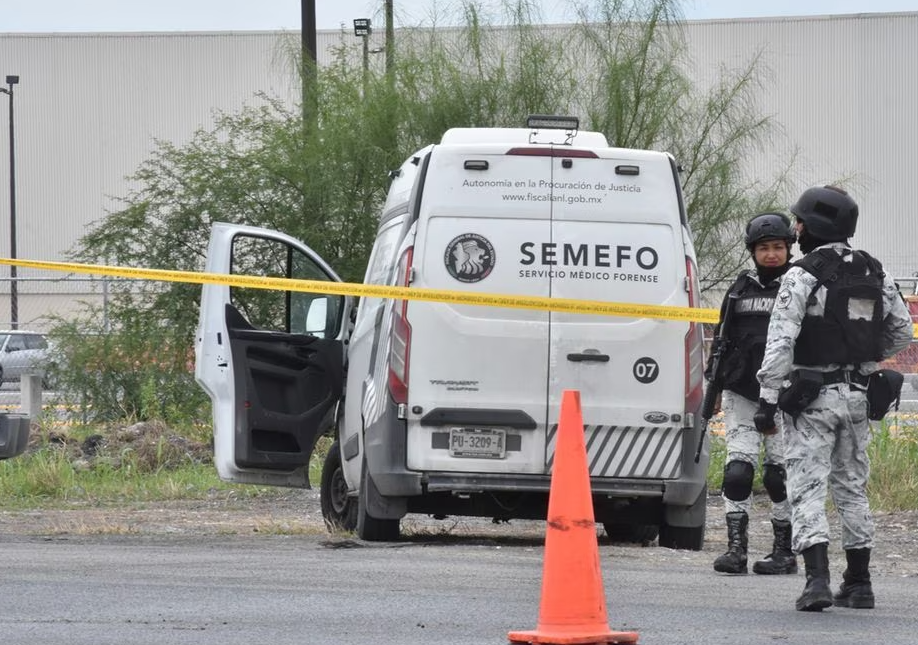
(542, 303)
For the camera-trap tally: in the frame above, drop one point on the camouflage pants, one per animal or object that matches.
(744, 443)
(827, 450)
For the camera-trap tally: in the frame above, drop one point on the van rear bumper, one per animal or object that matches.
(678, 492)
(395, 481)
(410, 484)
(483, 482)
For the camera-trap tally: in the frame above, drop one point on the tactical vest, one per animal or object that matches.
(851, 329)
(748, 333)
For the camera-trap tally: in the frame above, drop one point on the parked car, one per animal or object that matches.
(22, 352)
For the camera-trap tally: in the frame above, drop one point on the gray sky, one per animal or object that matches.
(241, 15)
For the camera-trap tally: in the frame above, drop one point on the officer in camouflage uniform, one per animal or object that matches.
(769, 237)
(837, 314)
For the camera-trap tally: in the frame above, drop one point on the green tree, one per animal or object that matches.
(622, 68)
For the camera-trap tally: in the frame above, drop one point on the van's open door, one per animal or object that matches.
(271, 361)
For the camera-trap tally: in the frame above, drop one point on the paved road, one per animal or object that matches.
(311, 590)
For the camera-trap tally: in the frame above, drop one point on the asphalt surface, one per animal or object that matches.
(316, 590)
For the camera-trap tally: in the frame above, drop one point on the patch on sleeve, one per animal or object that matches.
(783, 299)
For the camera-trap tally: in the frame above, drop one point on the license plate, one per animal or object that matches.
(481, 443)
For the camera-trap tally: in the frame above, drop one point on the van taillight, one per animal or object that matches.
(400, 338)
(694, 345)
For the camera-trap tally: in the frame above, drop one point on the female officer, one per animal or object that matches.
(769, 237)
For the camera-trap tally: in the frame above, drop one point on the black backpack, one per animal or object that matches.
(851, 328)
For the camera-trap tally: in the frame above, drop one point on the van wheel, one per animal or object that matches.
(370, 528)
(631, 533)
(690, 538)
(338, 510)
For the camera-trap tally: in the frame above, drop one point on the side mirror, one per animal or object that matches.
(316, 317)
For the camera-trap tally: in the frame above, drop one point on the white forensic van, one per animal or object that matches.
(452, 409)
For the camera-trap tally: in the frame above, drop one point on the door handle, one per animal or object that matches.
(592, 356)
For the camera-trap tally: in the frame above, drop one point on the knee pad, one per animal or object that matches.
(773, 477)
(738, 480)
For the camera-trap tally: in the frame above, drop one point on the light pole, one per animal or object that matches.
(390, 43)
(309, 62)
(362, 29)
(12, 80)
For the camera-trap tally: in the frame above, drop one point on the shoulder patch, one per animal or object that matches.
(783, 299)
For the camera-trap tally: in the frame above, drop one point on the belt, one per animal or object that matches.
(844, 376)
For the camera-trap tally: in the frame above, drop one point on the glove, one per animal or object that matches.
(764, 418)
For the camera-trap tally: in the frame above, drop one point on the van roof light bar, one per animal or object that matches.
(552, 122)
(536, 122)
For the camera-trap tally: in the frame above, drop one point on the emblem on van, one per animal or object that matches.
(469, 257)
(656, 417)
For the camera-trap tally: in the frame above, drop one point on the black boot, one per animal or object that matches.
(816, 594)
(781, 559)
(734, 560)
(856, 590)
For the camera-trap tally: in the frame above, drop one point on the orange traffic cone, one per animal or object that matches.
(573, 606)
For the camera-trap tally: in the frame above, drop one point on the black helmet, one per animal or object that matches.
(769, 226)
(827, 212)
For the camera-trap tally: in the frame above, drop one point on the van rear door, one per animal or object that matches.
(616, 236)
(478, 375)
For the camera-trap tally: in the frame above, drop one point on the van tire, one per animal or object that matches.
(370, 528)
(338, 509)
(690, 537)
(631, 533)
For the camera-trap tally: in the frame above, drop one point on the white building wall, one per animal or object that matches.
(88, 110)
(845, 91)
(89, 107)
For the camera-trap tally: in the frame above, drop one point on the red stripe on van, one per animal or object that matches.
(552, 152)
